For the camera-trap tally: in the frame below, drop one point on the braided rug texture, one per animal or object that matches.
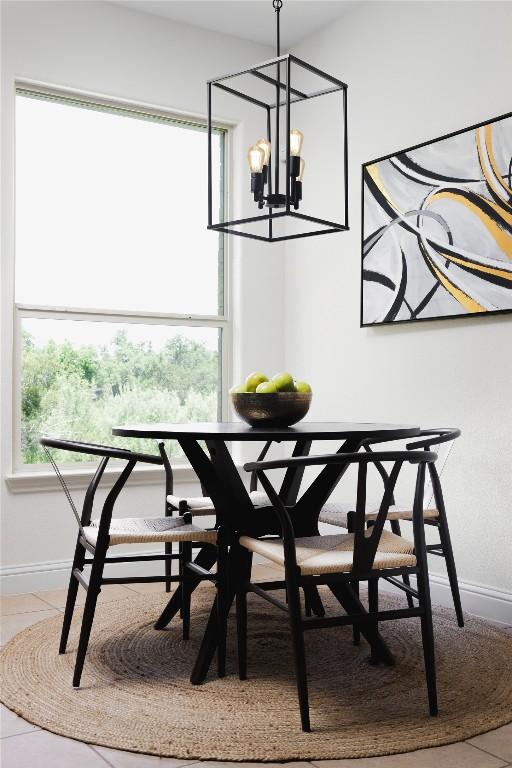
(136, 693)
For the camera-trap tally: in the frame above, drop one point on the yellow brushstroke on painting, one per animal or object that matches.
(470, 304)
(493, 179)
(492, 159)
(503, 239)
(375, 175)
(478, 267)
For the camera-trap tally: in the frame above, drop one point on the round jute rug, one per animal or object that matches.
(136, 693)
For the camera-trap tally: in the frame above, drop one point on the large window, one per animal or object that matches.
(120, 288)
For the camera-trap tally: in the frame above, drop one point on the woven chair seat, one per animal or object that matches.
(333, 553)
(202, 505)
(336, 513)
(138, 530)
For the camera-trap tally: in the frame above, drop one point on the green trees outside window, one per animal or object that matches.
(81, 391)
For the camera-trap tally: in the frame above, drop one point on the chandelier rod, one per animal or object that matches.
(277, 4)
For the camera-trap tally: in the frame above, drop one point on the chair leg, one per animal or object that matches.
(356, 634)
(446, 544)
(314, 601)
(78, 562)
(222, 606)
(427, 629)
(186, 591)
(168, 566)
(395, 528)
(427, 636)
(307, 604)
(373, 595)
(373, 606)
(243, 575)
(299, 654)
(88, 617)
(180, 573)
(444, 535)
(168, 550)
(241, 631)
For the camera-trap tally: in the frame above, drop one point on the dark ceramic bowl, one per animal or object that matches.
(274, 409)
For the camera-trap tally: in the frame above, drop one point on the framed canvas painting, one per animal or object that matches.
(437, 228)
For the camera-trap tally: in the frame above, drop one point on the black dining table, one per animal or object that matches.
(206, 447)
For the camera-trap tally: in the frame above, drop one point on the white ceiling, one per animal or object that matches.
(249, 19)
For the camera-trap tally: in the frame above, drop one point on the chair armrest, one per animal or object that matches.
(434, 437)
(92, 449)
(413, 457)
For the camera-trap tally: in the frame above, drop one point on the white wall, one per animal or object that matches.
(415, 71)
(115, 52)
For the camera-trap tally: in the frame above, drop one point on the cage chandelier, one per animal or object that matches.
(277, 161)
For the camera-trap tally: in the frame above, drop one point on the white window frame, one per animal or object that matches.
(32, 477)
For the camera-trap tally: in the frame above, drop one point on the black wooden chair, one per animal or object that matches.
(342, 514)
(364, 555)
(96, 536)
(199, 506)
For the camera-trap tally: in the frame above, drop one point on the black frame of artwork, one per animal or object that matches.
(387, 157)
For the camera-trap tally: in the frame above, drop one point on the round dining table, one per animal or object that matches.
(206, 446)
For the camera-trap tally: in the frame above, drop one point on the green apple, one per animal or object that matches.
(237, 389)
(266, 387)
(254, 379)
(302, 386)
(284, 382)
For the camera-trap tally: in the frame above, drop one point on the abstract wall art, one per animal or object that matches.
(437, 228)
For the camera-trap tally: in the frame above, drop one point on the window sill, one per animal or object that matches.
(36, 482)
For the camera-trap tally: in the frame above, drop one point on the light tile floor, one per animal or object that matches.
(26, 746)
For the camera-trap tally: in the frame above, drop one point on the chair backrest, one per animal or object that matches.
(443, 439)
(106, 453)
(366, 540)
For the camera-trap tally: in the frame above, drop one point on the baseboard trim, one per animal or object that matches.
(54, 574)
(477, 599)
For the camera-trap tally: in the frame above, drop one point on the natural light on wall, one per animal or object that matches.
(119, 286)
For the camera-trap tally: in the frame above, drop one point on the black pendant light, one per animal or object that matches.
(277, 90)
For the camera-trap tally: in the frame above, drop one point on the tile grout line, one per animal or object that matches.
(187, 764)
(36, 729)
(27, 613)
(486, 751)
(38, 595)
(102, 757)
(63, 607)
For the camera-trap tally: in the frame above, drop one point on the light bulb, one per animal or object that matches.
(296, 139)
(256, 158)
(302, 168)
(266, 146)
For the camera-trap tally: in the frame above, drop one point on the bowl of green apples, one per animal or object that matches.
(277, 402)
